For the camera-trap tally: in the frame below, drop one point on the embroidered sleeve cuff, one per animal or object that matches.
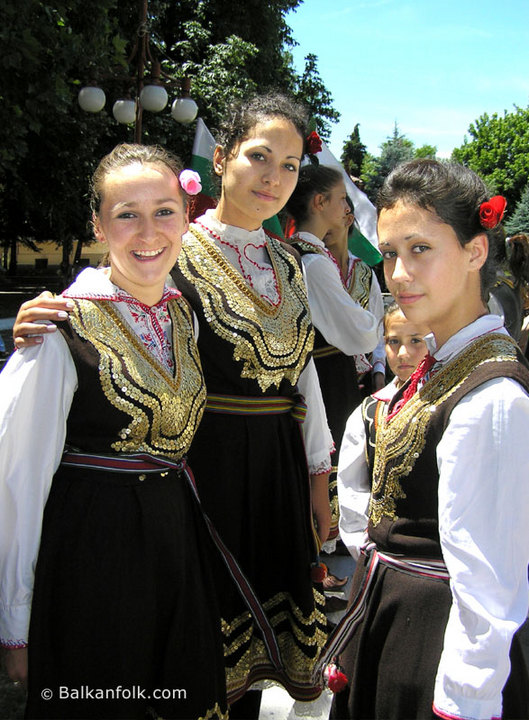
(14, 626)
(12, 644)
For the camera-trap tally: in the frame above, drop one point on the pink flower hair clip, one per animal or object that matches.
(190, 182)
(491, 211)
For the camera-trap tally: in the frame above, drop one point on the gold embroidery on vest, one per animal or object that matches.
(360, 284)
(165, 411)
(401, 441)
(272, 341)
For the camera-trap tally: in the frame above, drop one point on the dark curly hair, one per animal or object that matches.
(244, 114)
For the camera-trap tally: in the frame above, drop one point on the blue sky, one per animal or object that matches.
(433, 66)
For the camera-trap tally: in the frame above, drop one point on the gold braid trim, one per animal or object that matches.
(215, 713)
(360, 283)
(298, 662)
(307, 247)
(165, 411)
(272, 341)
(401, 441)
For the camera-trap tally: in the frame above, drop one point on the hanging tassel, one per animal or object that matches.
(335, 678)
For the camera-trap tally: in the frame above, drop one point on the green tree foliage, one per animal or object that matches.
(499, 151)
(354, 152)
(426, 151)
(395, 150)
(310, 89)
(518, 222)
(49, 146)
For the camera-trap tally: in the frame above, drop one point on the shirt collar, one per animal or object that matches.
(231, 233)
(95, 284)
(455, 344)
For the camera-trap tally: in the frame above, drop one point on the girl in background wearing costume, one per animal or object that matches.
(344, 328)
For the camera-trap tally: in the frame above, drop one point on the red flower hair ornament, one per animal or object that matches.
(491, 212)
(313, 143)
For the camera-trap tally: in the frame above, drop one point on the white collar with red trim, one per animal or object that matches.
(95, 284)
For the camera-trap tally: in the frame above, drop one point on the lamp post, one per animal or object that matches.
(150, 93)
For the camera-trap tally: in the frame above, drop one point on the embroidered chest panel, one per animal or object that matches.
(273, 342)
(401, 441)
(359, 286)
(164, 410)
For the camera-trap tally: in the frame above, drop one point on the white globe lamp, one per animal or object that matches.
(184, 110)
(91, 99)
(124, 111)
(153, 98)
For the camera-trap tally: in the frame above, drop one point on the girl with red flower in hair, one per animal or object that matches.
(441, 586)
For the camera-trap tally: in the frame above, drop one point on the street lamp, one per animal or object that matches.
(150, 93)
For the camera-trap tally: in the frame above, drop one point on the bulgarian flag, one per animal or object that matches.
(202, 161)
(363, 242)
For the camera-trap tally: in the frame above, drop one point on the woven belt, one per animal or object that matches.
(138, 462)
(264, 405)
(425, 567)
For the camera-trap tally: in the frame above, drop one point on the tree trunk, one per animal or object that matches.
(12, 268)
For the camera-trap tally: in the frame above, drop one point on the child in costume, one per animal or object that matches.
(405, 348)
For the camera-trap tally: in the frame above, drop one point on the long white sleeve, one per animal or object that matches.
(376, 307)
(483, 520)
(343, 322)
(354, 484)
(318, 439)
(36, 389)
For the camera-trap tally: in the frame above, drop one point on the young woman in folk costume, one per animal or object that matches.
(404, 349)
(344, 328)
(251, 464)
(441, 588)
(116, 615)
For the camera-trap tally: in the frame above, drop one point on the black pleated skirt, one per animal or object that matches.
(392, 659)
(124, 621)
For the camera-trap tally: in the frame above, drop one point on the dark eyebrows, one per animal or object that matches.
(269, 150)
(160, 201)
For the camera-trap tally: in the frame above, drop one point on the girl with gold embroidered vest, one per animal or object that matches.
(94, 424)
(404, 349)
(255, 340)
(442, 586)
(344, 328)
(249, 457)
